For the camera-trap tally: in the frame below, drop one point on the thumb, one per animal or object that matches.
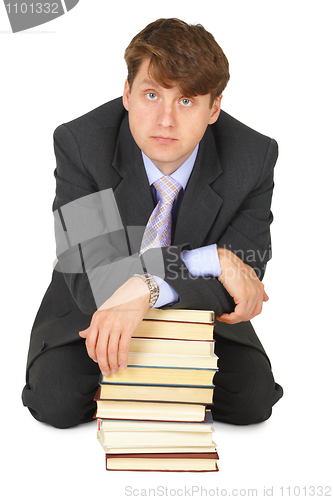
(84, 333)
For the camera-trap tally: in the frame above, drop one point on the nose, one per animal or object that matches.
(166, 117)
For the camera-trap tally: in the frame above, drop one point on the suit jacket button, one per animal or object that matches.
(42, 347)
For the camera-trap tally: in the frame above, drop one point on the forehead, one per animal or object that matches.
(144, 79)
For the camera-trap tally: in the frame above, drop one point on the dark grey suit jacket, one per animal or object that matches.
(227, 201)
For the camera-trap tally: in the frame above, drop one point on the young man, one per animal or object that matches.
(125, 245)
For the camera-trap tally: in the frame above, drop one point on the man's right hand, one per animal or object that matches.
(242, 283)
(113, 324)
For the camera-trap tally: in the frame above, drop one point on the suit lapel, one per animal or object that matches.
(133, 195)
(200, 204)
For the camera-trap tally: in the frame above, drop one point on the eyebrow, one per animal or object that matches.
(147, 81)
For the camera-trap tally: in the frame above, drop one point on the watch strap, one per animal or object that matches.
(153, 287)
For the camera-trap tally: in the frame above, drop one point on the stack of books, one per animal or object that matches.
(153, 415)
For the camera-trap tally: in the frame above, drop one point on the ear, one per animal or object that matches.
(215, 111)
(126, 95)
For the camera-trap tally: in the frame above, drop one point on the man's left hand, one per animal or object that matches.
(242, 283)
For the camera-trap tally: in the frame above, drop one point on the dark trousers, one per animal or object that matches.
(62, 383)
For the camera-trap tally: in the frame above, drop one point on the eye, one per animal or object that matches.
(151, 96)
(186, 102)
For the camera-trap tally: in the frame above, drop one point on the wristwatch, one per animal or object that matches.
(153, 287)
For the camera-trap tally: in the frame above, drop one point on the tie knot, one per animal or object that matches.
(168, 188)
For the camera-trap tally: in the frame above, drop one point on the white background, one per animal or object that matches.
(280, 63)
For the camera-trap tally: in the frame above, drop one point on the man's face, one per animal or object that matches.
(165, 124)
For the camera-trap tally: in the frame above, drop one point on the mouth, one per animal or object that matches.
(163, 140)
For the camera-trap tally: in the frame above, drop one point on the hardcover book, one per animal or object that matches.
(144, 410)
(181, 394)
(177, 324)
(172, 462)
(161, 375)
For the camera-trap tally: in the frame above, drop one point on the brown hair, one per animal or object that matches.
(181, 54)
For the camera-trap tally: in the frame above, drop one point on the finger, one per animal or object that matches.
(102, 353)
(84, 333)
(256, 311)
(222, 318)
(91, 340)
(112, 352)
(123, 351)
(231, 318)
(255, 306)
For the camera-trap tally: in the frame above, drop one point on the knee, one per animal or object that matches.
(243, 408)
(54, 396)
(255, 404)
(45, 407)
(250, 398)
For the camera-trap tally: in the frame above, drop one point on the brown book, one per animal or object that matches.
(171, 462)
(177, 324)
(181, 394)
(143, 410)
(160, 375)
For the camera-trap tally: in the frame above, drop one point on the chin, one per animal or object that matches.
(160, 156)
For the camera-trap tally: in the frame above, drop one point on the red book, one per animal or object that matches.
(171, 462)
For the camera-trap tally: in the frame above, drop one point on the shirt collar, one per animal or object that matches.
(182, 174)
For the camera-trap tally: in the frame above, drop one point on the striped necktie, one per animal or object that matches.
(158, 229)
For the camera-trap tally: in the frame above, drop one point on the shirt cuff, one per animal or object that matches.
(203, 261)
(167, 294)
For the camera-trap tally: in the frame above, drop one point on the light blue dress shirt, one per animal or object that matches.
(200, 261)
